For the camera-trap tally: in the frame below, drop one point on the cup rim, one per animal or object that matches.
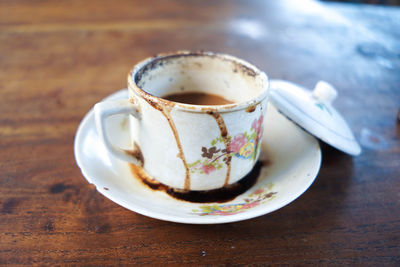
(155, 100)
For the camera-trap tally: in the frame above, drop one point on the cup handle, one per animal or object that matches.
(105, 109)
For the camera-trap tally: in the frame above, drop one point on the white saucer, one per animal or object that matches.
(295, 158)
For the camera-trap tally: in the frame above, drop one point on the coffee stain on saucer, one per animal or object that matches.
(220, 195)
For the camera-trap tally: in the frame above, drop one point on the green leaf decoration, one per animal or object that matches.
(194, 163)
(209, 208)
(261, 195)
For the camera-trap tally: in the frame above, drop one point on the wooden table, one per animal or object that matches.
(57, 59)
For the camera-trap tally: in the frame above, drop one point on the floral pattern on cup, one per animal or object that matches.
(243, 145)
(259, 196)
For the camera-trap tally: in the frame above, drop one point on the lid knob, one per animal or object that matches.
(324, 92)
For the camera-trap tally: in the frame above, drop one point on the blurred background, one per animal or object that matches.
(376, 2)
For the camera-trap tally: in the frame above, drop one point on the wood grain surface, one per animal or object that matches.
(57, 59)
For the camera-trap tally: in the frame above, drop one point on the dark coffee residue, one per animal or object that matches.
(219, 195)
(247, 70)
(160, 61)
(251, 109)
(154, 104)
(136, 153)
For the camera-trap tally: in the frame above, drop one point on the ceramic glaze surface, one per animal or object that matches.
(314, 112)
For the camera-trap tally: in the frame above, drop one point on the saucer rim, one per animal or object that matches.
(173, 218)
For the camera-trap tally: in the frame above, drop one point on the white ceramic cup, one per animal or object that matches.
(185, 146)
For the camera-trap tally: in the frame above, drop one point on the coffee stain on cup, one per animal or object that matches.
(181, 155)
(136, 153)
(166, 111)
(251, 108)
(224, 134)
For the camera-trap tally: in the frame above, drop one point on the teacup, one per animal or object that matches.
(188, 146)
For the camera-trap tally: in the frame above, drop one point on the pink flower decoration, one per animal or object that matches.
(256, 125)
(258, 191)
(208, 168)
(237, 143)
(251, 205)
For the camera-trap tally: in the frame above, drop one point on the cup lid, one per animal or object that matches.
(313, 111)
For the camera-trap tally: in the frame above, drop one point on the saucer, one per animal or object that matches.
(294, 159)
